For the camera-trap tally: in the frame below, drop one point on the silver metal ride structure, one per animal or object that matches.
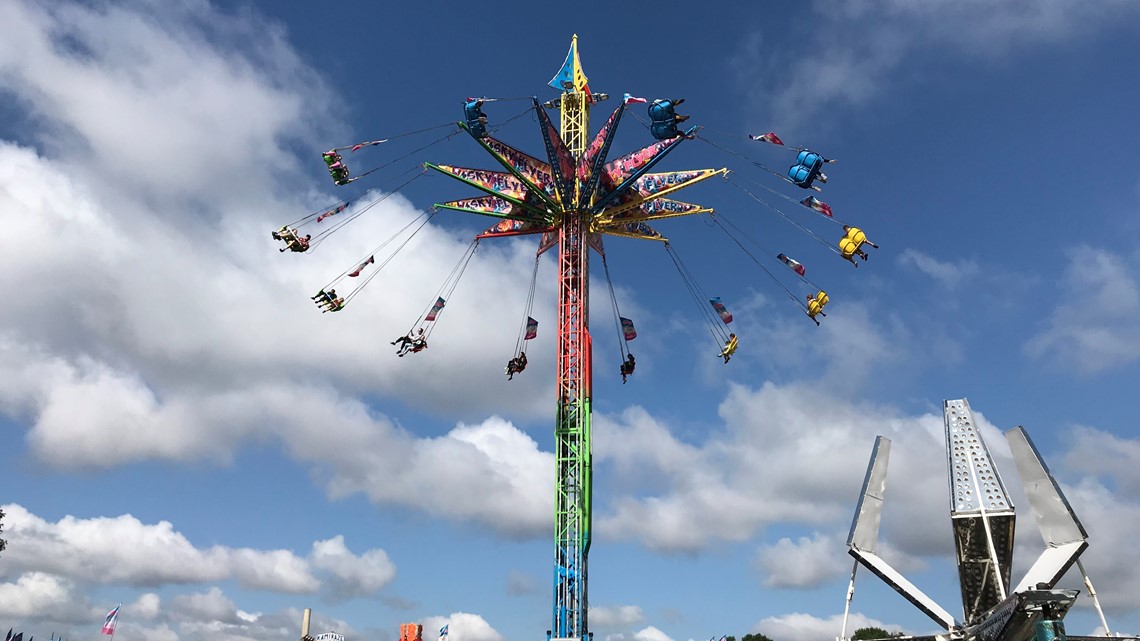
(982, 517)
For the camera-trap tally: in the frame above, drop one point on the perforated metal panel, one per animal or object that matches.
(974, 483)
(981, 513)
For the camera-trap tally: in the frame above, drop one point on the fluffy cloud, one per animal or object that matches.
(802, 563)
(678, 497)
(616, 616)
(949, 273)
(45, 602)
(352, 575)
(33, 594)
(171, 330)
(650, 633)
(1096, 322)
(463, 626)
(805, 627)
(519, 584)
(123, 550)
(859, 46)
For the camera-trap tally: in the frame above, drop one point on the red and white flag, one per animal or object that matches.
(112, 619)
(356, 272)
(629, 98)
(332, 212)
(811, 202)
(793, 264)
(769, 137)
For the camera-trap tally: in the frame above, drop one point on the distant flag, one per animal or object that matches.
(435, 309)
(332, 212)
(769, 137)
(112, 619)
(721, 309)
(811, 202)
(9, 637)
(531, 329)
(370, 142)
(793, 264)
(19, 637)
(629, 98)
(443, 632)
(724, 638)
(627, 329)
(356, 272)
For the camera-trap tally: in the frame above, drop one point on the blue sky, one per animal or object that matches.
(182, 431)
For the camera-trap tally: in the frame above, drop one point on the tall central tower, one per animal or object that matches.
(572, 429)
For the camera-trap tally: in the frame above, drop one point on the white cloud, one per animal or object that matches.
(351, 575)
(462, 626)
(805, 562)
(1097, 453)
(857, 48)
(798, 626)
(123, 550)
(650, 633)
(32, 594)
(949, 273)
(520, 584)
(167, 335)
(675, 496)
(616, 616)
(1096, 322)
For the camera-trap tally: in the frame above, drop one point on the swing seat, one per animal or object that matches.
(664, 130)
(475, 116)
(806, 169)
(662, 111)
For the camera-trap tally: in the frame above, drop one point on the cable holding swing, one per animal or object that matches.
(628, 362)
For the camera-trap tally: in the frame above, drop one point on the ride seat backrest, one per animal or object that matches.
(662, 112)
(801, 175)
(823, 298)
(664, 130)
(847, 246)
(858, 237)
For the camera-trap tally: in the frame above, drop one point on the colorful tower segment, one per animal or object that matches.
(572, 430)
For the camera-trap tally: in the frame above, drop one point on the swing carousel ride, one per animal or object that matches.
(571, 199)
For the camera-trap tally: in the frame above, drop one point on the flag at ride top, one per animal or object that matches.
(629, 98)
(356, 272)
(769, 137)
(435, 309)
(332, 212)
(571, 74)
(112, 619)
(627, 329)
(721, 309)
(793, 264)
(531, 329)
(443, 632)
(811, 202)
(373, 143)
